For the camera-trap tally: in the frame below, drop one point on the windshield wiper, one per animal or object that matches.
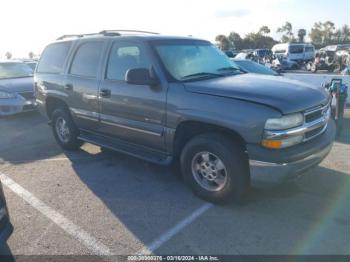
(202, 74)
(230, 68)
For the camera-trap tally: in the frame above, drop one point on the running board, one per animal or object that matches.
(126, 148)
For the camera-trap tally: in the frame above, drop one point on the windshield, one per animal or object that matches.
(195, 60)
(15, 70)
(252, 67)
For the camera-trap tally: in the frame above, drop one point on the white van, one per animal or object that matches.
(295, 51)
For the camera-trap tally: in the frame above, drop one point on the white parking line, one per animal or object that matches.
(57, 159)
(68, 226)
(167, 235)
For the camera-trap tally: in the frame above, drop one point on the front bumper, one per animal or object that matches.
(16, 105)
(281, 165)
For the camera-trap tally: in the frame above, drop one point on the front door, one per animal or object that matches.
(133, 113)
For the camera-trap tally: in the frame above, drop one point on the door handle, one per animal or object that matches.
(105, 92)
(68, 87)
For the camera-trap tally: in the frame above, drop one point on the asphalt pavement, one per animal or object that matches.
(102, 203)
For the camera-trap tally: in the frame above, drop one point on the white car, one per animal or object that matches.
(295, 51)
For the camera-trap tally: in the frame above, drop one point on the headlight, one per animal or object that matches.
(5, 95)
(284, 122)
(280, 124)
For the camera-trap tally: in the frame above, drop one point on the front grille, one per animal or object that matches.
(313, 116)
(316, 115)
(27, 95)
(313, 133)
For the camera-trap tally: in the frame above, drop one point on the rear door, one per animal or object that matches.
(82, 82)
(132, 113)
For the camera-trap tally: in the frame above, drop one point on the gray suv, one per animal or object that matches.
(181, 100)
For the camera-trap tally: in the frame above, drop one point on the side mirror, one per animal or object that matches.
(140, 76)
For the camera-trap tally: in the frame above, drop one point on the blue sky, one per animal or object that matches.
(30, 25)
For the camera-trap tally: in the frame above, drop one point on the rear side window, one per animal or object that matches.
(125, 56)
(53, 58)
(309, 49)
(86, 60)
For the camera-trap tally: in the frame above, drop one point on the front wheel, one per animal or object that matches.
(64, 130)
(215, 168)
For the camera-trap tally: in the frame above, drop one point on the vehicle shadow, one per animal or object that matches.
(148, 199)
(344, 136)
(5, 253)
(319, 181)
(26, 138)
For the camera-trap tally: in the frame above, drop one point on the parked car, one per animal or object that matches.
(324, 60)
(253, 67)
(330, 60)
(32, 64)
(231, 53)
(335, 48)
(6, 227)
(261, 53)
(282, 64)
(16, 88)
(242, 56)
(295, 51)
(181, 100)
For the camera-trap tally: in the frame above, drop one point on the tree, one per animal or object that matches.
(8, 55)
(301, 35)
(345, 33)
(328, 29)
(31, 55)
(316, 34)
(235, 40)
(325, 33)
(264, 30)
(257, 40)
(287, 31)
(223, 42)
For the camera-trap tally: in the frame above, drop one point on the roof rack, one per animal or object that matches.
(75, 35)
(106, 33)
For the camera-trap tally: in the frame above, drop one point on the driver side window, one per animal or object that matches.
(125, 56)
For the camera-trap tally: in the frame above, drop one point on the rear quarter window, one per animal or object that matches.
(53, 58)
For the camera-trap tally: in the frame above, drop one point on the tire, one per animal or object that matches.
(313, 68)
(70, 141)
(235, 179)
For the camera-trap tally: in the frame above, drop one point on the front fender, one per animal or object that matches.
(245, 118)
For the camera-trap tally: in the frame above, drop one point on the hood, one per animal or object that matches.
(285, 95)
(17, 85)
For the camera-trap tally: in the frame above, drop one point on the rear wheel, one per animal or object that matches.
(64, 130)
(215, 167)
